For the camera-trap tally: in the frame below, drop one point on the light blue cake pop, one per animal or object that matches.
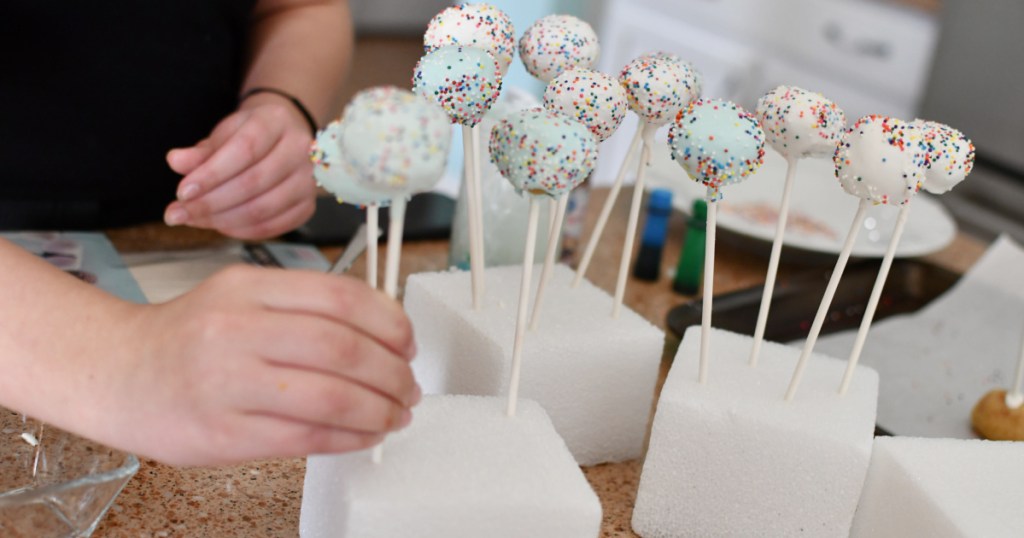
(717, 142)
(465, 81)
(396, 142)
(542, 152)
(335, 174)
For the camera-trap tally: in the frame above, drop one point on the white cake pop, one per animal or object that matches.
(882, 160)
(397, 142)
(594, 99)
(799, 123)
(950, 156)
(697, 80)
(558, 43)
(332, 172)
(473, 25)
(658, 89)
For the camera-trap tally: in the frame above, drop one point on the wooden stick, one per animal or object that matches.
(476, 266)
(709, 286)
(524, 297)
(826, 300)
(634, 217)
(372, 229)
(395, 232)
(479, 205)
(1014, 398)
(773, 261)
(606, 211)
(876, 294)
(549, 258)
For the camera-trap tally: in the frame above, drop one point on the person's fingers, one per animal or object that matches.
(316, 344)
(286, 221)
(271, 436)
(277, 166)
(246, 146)
(313, 397)
(185, 160)
(297, 188)
(341, 299)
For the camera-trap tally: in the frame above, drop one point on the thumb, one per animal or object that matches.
(185, 160)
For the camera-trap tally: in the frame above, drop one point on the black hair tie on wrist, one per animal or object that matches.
(294, 100)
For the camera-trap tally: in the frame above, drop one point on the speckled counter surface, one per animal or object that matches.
(263, 498)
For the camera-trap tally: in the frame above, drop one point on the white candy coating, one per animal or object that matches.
(658, 89)
(950, 156)
(473, 25)
(799, 123)
(557, 43)
(882, 160)
(396, 141)
(593, 98)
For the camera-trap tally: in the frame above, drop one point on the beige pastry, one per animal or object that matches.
(994, 420)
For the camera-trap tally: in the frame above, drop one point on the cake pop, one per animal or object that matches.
(949, 156)
(558, 43)
(797, 124)
(334, 174)
(542, 154)
(473, 25)
(466, 81)
(593, 98)
(718, 144)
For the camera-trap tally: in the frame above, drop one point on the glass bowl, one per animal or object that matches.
(53, 483)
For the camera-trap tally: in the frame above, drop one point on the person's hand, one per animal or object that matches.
(251, 178)
(257, 363)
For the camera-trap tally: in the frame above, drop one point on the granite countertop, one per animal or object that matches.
(263, 498)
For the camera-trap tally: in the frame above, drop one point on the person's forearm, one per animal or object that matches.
(302, 47)
(57, 335)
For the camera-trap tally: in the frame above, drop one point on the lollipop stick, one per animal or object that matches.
(475, 256)
(394, 254)
(606, 211)
(479, 205)
(372, 228)
(549, 257)
(634, 218)
(876, 294)
(1014, 398)
(709, 286)
(524, 297)
(773, 261)
(826, 300)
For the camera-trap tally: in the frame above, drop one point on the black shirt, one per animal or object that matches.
(93, 94)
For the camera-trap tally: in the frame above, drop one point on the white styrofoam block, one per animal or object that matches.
(462, 468)
(942, 487)
(731, 457)
(594, 375)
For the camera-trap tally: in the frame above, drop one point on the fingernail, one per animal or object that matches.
(404, 419)
(176, 216)
(410, 352)
(188, 192)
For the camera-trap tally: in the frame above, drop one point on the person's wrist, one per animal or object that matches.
(260, 96)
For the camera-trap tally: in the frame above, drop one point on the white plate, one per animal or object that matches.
(820, 211)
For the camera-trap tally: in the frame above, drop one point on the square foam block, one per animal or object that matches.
(731, 457)
(462, 468)
(594, 375)
(942, 487)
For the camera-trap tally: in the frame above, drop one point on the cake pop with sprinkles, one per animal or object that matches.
(543, 153)
(396, 142)
(593, 98)
(799, 123)
(697, 80)
(558, 43)
(465, 81)
(881, 159)
(333, 172)
(717, 142)
(657, 89)
(473, 25)
(949, 156)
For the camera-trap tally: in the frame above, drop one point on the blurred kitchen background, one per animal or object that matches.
(958, 62)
